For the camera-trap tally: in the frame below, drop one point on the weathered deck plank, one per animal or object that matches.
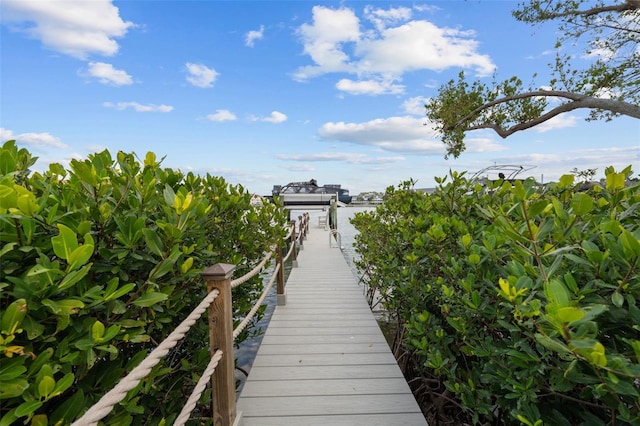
(323, 359)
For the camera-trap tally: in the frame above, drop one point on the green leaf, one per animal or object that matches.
(8, 197)
(40, 361)
(519, 191)
(65, 242)
(27, 204)
(8, 418)
(7, 247)
(150, 159)
(73, 277)
(581, 203)
(165, 266)
(186, 265)
(97, 331)
(570, 314)
(13, 316)
(538, 207)
(615, 181)
(63, 384)
(84, 344)
(571, 282)
(551, 344)
(169, 196)
(119, 292)
(63, 307)
(12, 368)
(69, 409)
(27, 408)
(557, 293)
(150, 299)
(82, 254)
(566, 181)
(45, 387)
(39, 420)
(617, 299)
(12, 388)
(630, 243)
(154, 243)
(32, 327)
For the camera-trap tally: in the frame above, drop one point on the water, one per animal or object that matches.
(247, 350)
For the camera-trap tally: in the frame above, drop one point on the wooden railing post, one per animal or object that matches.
(223, 381)
(281, 294)
(306, 224)
(301, 228)
(294, 242)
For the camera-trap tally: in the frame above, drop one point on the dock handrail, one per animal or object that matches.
(220, 369)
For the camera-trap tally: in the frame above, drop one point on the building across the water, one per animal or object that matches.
(310, 193)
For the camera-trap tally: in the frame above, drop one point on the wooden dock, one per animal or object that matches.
(323, 359)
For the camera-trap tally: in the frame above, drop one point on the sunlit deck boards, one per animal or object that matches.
(323, 360)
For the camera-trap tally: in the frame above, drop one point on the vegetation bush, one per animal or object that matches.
(515, 304)
(99, 264)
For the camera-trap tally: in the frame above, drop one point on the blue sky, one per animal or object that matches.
(268, 92)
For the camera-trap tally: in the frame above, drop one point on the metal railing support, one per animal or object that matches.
(223, 383)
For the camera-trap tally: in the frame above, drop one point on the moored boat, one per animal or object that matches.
(309, 192)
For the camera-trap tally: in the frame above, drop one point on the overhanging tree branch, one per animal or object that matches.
(578, 101)
(604, 80)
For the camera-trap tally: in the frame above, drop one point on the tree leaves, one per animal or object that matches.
(106, 257)
(508, 107)
(531, 292)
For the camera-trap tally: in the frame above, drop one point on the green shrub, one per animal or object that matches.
(514, 303)
(99, 264)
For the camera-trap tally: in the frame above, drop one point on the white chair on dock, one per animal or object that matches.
(322, 221)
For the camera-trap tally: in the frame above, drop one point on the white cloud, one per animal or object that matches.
(107, 74)
(5, 135)
(33, 139)
(419, 45)
(369, 87)
(480, 145)
(382, 18)
(338, 42)
(138, 107)
(407, 135)
(78, 28)
(301, 168)
(558, 122)
(552, 166)
(222, 115)
(322, 41)
(415, 105)
(347, 157)
(201, 75)
(376, 131)
(254, 35)
(96, 148)
(275, 117)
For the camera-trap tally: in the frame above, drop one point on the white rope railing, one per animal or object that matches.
(256, 305)
(188, 408)
(246, 277)
(285, 258)
(104, 406)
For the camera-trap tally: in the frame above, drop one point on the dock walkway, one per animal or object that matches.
(323, 359)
